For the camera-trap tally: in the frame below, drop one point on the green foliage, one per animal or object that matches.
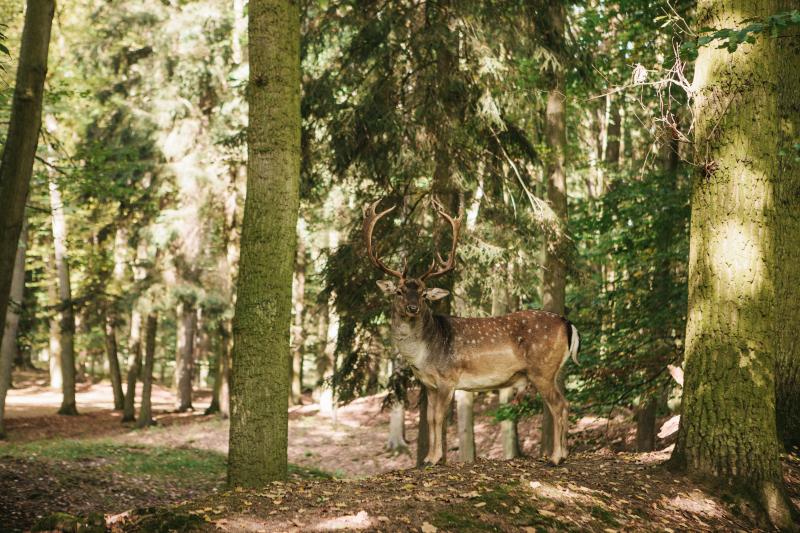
(527, 407)
(732, 38)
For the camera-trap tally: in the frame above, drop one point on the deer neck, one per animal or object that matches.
(409, 334)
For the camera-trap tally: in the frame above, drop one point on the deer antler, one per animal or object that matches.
(450, 265)
(367, 225)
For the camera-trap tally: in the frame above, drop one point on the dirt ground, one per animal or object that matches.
(602, 487)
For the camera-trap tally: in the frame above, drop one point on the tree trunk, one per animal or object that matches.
(145, 410)
(224, 389)
(56, 378)
(129, 413)
(22, 138)
(787, 246)
(728, 427)
(299, 332)
(646, 425)
(67, 322)
(113, 359)
(188, 318)
(260, 373)
(554, 277)
(9, 342)
(508, 428)
(466, 425)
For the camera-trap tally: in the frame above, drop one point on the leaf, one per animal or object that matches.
(297, 522)
(410, 486)
(481, 504)
(550, 507)
(546, 513)
(702, 41)
(535, 484)
(383, 519)
(428, 528)
(404, 519)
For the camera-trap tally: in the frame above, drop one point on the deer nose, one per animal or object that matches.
(412, 309)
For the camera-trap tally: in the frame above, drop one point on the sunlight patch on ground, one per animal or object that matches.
(362, 520)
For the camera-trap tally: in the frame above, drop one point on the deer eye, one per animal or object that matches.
(399, 293)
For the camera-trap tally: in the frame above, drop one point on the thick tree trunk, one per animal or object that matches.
(145, 410)
(9, 342)
(554, 277)
(22, 138)
(188, 318)
(66, 325)
(260, 372)
(466, 425)
(113, 359)
(787, 245)
(728, 428)
(299, 331)
(129, 413)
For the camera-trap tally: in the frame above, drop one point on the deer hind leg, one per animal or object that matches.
(559, 408)
(438, 402)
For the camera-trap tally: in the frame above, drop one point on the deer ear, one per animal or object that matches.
(436, 294)
(387, 286)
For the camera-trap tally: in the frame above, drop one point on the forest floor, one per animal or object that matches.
(341, 478)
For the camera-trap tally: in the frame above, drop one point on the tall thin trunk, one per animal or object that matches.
(508, 428)
(188, 317)
(113, 358)
(554, 278)
(22, 137)
(145, 410)
(728, 426)
(397, 417)
(260, 371)
(67, 322)
(9, 342)
(129, 413)
(299, 331)
(56, 378)
(466, 425)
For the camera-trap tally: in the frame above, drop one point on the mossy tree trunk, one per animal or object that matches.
(22, 137)
(787, 244)
(260, 371)
(727, 431)
(554, 280)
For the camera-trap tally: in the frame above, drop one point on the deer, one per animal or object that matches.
(448, 353)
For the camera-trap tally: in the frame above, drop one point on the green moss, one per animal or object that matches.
(604, 516)
(169, 522)
(57, 522)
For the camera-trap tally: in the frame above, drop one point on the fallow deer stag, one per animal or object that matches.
(448, 353)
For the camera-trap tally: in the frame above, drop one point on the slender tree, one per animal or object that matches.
(7, 348)
(145, 411)
(260, 361)
(728, 427)
(22, 137)
(554, 279)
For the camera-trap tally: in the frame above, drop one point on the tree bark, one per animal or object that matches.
(66, 325)
(260, 372)
(298, 329)
(728, 427)
(145, 410)
(188, 318)
(113, 358)
(646, 425)
(129, 413)
(508, 428)
(787, 248)
(22, 137)
(8, 346)
(55, 341)
(466, 425)
(554, 277)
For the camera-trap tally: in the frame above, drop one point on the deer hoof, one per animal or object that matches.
(550, 464)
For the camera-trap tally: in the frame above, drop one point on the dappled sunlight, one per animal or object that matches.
(362, 520)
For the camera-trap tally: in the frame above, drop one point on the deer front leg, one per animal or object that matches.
(438, 401)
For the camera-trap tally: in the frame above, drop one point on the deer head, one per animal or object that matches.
(410, 293)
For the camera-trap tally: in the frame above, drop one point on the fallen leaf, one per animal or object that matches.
(239, 489)
(273, 512)
(535, 484)
(546, 513)
(297, 522)
(550, 507)
(515, 510)
(404, 519)
(410, 486)
(529, 529)
(383, 519)
(610, 530)
(481, 504)
(248, 503)
(428, 528)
